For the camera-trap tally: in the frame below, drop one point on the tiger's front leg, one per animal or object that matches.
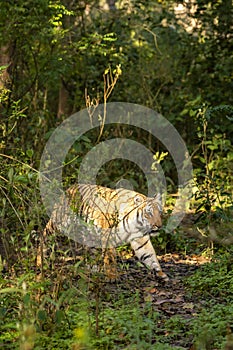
(145, 252)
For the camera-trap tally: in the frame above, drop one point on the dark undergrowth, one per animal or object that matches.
(72, 307)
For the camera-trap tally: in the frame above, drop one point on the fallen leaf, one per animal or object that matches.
(173, 301)
(148, 298)
(189, 306)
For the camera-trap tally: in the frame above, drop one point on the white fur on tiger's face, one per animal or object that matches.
(118, 216)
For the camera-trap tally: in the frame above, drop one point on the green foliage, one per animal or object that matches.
(20, 207)
(68, 312)
(210, 327)
(213, 284)
(30, 316)
(56, 55)
(213, 170)
(215, 279)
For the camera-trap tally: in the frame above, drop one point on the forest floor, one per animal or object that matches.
(76, 304)
(169, 300)
(139, 311)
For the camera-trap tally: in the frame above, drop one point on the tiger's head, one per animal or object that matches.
(149, 212)
(141, 215)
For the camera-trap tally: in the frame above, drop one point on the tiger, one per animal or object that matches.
(100, 216)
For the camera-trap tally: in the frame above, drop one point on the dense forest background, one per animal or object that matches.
(59, 57)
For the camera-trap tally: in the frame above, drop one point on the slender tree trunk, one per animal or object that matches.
(63, 107)
(111, 5)
(4, 61)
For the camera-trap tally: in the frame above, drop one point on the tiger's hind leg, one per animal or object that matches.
(110, 264)
(145, 252)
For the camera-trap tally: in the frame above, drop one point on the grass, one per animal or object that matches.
(81, 312)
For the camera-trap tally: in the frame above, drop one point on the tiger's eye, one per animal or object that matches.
(150, 212)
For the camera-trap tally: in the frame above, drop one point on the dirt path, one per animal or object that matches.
(170, 300)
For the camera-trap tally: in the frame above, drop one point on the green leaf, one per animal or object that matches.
(212, 147)
(11, 174)
(29, 153)
(59, 316)
(86, 139)
(21, 179)
(42, 315)
(202, 160)
(26, 299)
(11, 290)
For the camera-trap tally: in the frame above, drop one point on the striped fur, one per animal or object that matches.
(115, 217)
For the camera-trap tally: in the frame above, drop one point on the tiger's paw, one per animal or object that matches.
(162, 276)
(111, 275)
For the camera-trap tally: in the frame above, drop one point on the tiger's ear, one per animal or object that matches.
(138, 200)
(158, 200)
